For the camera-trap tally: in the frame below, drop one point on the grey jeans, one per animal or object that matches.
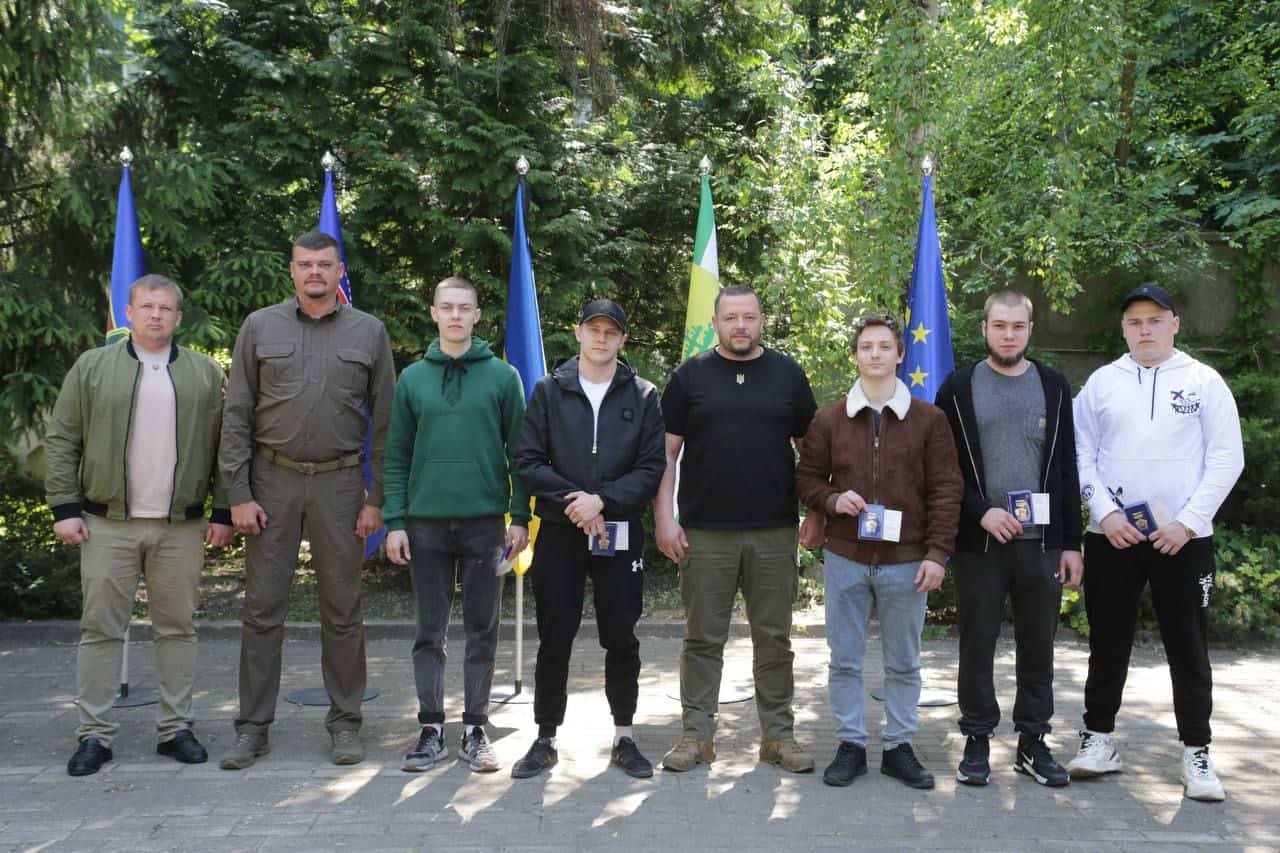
(446, 552)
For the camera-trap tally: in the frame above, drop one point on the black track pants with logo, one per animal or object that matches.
(1181, 588)
(561, 565)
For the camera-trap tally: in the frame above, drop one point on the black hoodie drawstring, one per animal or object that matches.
(451, 384)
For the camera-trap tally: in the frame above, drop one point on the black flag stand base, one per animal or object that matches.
(516, 697)
(134, 697)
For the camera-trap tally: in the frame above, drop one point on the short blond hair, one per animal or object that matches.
(1009, 298)
(156, 282)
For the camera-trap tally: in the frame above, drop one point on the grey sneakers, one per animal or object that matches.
(428, 752)
(477, 751)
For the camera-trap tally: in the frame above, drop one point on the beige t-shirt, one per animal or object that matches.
(153, 439)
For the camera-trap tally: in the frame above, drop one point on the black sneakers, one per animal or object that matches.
(541, 756)
(975, 767)
(627, 756)
(88, 758)
(850, 763)
(1035, 760)
(901, 763)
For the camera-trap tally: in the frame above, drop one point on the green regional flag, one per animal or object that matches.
(704, 277)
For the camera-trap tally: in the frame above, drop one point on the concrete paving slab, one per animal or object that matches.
(294, 799)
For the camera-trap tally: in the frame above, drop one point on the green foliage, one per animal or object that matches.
(1074, 144)
(1071, 612)
(1245, 606)
(1246, 602)
(39, 576)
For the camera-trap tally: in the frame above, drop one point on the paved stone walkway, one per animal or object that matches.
(294, 799)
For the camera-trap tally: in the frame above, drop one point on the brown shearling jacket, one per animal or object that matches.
(911, 466)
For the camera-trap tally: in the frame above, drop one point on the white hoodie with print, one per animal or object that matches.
(1168, 435)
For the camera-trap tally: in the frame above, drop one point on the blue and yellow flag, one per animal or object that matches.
(524, 328)
(330, 225)
(524, 349)
(929, 358)
(127, 261)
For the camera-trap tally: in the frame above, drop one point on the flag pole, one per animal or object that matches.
(522, 169)
(935, 697)
(531, 367)
(128, 264)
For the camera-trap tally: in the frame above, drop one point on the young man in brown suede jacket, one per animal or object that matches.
(883, 467)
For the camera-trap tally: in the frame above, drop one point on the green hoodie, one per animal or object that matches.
(451, 446)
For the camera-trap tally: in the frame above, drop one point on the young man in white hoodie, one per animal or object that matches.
(1159, 448)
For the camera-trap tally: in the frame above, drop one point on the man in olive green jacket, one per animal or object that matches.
(131, 453)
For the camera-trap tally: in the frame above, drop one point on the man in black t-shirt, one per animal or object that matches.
(734, 411)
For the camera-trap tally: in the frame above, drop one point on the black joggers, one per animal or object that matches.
(561, 565)
(1027, 575)
(1181, 586)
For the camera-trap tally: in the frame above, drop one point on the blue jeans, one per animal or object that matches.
(851, 587)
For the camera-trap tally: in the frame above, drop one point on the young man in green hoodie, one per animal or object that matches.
(450, 455)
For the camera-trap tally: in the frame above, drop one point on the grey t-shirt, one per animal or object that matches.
(1011, 427)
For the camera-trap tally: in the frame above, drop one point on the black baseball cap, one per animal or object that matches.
(1151, 292)
(605, 308)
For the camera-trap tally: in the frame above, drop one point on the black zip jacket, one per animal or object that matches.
(555, 454)
(1058, 474)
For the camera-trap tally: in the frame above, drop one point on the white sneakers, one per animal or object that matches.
(1198, 778)
(1098, 756)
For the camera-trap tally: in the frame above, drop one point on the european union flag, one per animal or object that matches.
(127, 261)
(928, 358)
(524, 328)
(330, 225)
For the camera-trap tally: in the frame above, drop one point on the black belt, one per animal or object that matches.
(275, 457)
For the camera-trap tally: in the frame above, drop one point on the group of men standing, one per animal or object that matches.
(898, 489)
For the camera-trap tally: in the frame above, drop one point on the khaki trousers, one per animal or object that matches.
(763, 563)
(324, 507)
(169, 555)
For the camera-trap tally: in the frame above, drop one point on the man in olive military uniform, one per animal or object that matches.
(309, 377)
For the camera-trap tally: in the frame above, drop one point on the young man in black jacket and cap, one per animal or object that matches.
(592, 453)
(1020, 533)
